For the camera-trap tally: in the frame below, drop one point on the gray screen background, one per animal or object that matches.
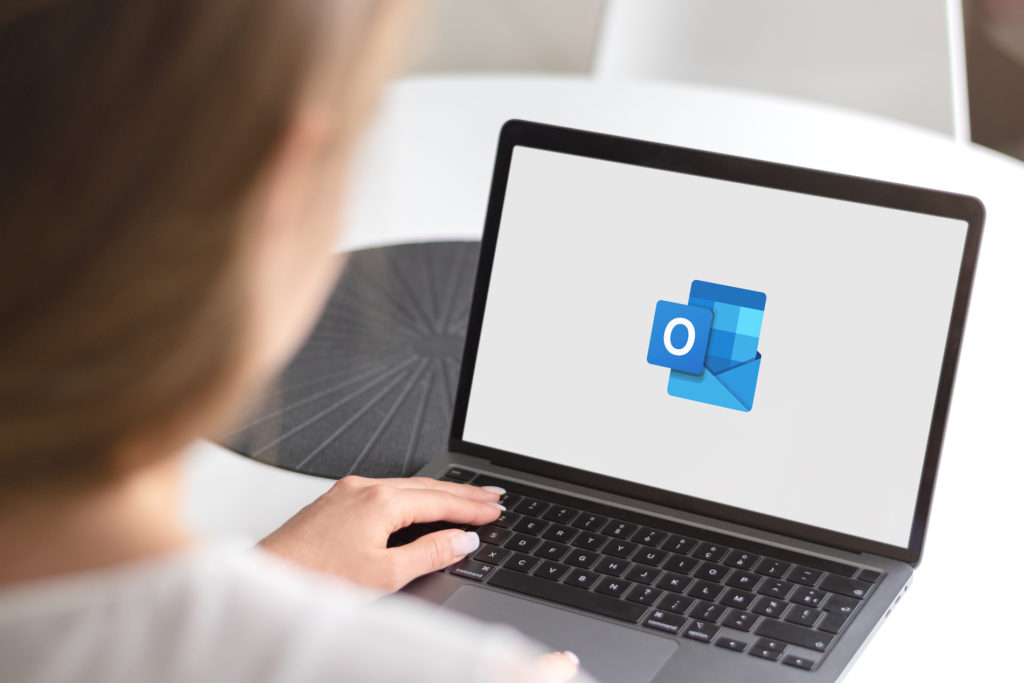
(858, 306)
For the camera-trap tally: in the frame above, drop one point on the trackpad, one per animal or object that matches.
(610, 653)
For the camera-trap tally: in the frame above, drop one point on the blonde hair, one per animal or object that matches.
(132, 134)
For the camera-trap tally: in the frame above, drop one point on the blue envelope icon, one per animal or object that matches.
(727, 377)
(733, 388)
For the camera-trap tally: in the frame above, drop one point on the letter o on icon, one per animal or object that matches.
(673, 324)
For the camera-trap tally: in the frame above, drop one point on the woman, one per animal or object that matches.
(170, 179)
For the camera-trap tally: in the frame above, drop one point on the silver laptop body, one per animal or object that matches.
(715, 390)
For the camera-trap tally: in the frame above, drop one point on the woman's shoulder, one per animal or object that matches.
(225, 614)
(225, 573)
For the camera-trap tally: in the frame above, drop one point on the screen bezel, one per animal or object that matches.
(737, 169)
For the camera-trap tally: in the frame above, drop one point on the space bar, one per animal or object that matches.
(567, 595)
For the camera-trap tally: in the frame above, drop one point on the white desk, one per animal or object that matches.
(425, 172)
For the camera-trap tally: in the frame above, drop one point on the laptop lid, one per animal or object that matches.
(765, 344)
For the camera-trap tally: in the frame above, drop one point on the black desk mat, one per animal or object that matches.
(372, 390)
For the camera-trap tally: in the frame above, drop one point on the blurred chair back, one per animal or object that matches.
(902, 60)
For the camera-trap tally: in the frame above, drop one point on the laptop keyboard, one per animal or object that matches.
(739, 595)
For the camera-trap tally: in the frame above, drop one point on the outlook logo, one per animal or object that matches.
(679, 338)
(710, 344)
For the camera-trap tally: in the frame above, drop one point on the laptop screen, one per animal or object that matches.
(765, 349)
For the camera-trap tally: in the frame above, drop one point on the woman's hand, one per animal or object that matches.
(561, 666)
(345, 531)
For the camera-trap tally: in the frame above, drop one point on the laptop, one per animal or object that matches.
(715, 391)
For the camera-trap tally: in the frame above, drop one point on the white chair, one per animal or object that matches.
(902, 60)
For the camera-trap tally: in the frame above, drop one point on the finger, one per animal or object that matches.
(427, 505)
(431, 552)
(560, 666)
(485, 493)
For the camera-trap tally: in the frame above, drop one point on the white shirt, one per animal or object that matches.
(217, 614)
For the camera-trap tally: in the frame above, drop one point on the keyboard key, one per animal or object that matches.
(471, 569)
(650, 556)
(531, 506)
(665, 621)
(770, 607)
(710, 552)
(494, 535)
(791, 633)
(641, 574)
(491, 554)
(648, 536)
(773, 568)
(741, 559)
(805, 616)
(737, 598)
(581, 578)
(833, 622)
(589, 541)
(765, 653)
(844, 586)
(771, 644)
(509, 500)
(582, 558)
(679, 544)
(776, 588)
(589, 522)
(565, 594)
(613, 586)
(869, 575)
(459, 474)
(620, 548)
(675, 603)
(530, 525)
(645, 595)
(705, 590)
(741, 621)
(702, 631)
(552, 551)
(707, 611)
(804, 576)
(560, 533)
(809, 597)
(612, 566)
(680, 564)
(838, 610)
(551, 571)
(799, 662)
(522, 543)
(506, 519)
(560, 514)
(710, 572)
(730, 644)
(521, 563)
(617, 529)
(744, 580)
(840, 603)
(674, 583)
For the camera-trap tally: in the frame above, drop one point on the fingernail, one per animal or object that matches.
(494, 489)
(496, 505)
(572, 657)
(464, 543)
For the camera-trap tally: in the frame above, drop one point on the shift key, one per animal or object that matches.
(795, 635)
